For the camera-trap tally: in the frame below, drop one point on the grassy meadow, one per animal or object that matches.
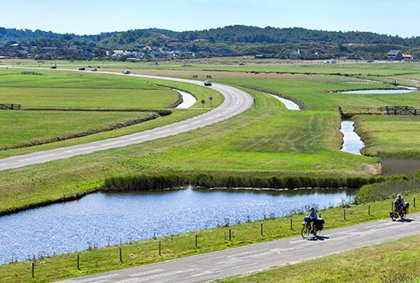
(81, 90)
(52, 125)
(84, 91)
(390, 136)
(244, 145)
(265, 141)
(246, 64)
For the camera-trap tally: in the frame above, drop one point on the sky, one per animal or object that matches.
(392, 17)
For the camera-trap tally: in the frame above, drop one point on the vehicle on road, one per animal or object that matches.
(82, 69)
(94, 70)
(207, 83)
(313, 228)
(126, 72)
(399, 212)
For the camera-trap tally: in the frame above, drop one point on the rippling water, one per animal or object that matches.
(101, 219)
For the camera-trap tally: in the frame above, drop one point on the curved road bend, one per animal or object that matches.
(259, 257)
(235, 102)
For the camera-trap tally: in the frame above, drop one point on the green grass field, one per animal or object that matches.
(264, 141)
(395, 136)
(310, 146)
(250, 65)
(53, 89)
(30, 127)
(78, 91)
(316, 91)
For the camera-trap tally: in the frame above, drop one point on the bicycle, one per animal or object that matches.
(308, 228)
(399, 212)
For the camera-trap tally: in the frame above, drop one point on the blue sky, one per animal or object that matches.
(94, 16)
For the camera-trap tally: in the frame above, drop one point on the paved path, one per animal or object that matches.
(261, 256)
(235, 102)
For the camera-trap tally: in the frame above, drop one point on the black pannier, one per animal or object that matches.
(319, 223)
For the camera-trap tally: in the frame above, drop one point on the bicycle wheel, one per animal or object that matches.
(394, 215)
(306, 231)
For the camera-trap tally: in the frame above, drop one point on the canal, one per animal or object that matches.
(102, 219)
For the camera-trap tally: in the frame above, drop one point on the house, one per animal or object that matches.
(395, 55)
(407, 57)
(299, 53)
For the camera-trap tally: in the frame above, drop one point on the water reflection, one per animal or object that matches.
(105, 219)
(352, 143)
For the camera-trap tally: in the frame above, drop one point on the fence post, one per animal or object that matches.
(33, 268)
(196, 241)
(291, 223)
(414, 202)
(344, 214)
(369, 210)
(230, 234)
(78, 262)
(262, 229)
(121, 258)
(160, 247)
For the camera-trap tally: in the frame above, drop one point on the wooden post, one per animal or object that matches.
(121, 258)
(33, 268)
(78, 262)
(369, 210)
(230, 234)
(160, 247)
(196, 241)
(291, 223)
(262, 229)
(344, 214)
(414, 202)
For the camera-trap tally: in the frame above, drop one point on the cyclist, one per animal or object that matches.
(311, 219)
(399, 203)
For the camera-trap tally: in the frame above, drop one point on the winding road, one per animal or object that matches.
(235, 102)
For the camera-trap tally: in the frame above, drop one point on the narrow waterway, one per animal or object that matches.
(380, 91)
(106, 219)
(352, 143)
(188, 100)
(290, 105)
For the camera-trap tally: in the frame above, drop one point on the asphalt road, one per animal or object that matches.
(235, 102)
(258, 257)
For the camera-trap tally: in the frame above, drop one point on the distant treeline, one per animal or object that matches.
(235, 40)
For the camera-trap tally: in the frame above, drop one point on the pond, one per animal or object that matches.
(352, 143)
(102, 219)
